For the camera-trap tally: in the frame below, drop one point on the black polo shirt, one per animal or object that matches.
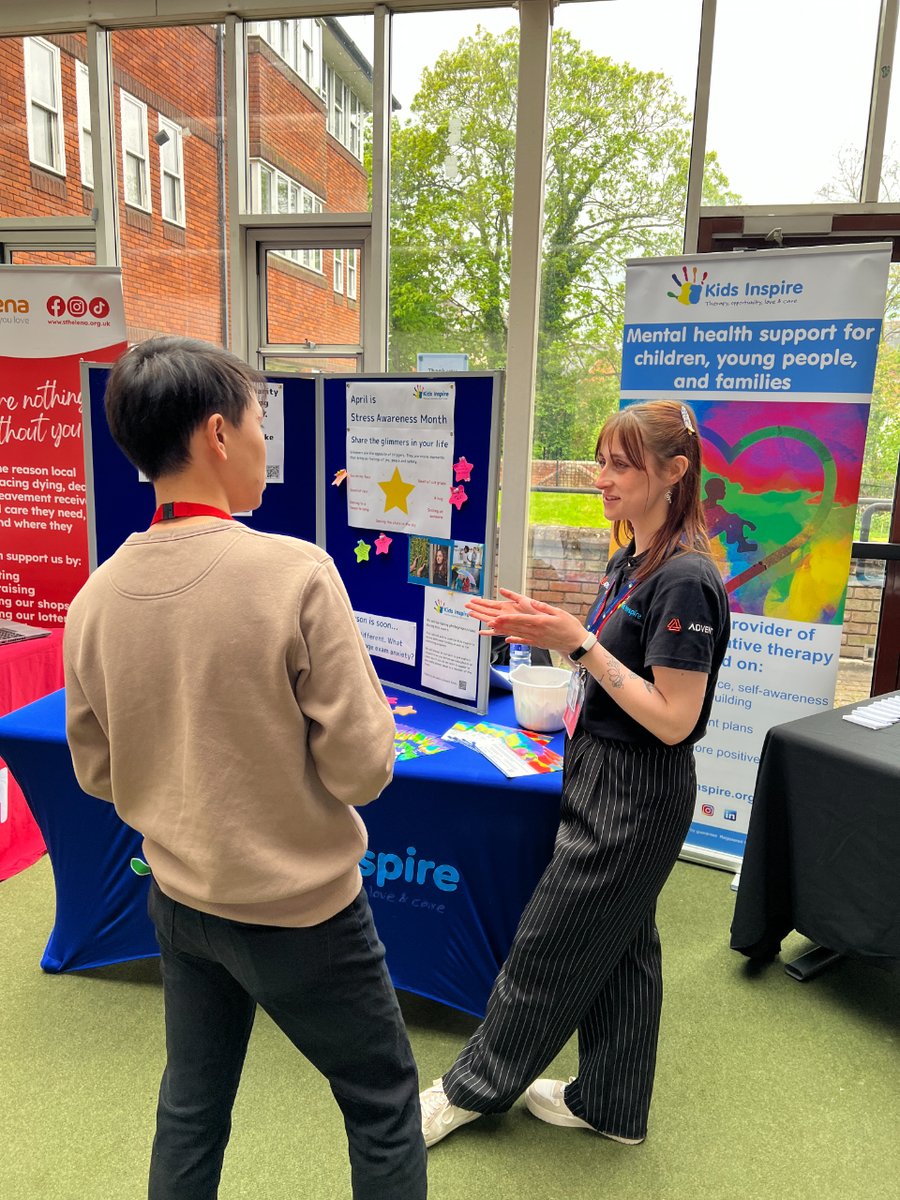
(677, 618)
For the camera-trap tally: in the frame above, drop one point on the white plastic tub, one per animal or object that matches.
(539, 696)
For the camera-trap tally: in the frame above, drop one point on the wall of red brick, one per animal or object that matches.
(175, 278)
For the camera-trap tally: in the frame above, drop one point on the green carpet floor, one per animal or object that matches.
(766, 1088)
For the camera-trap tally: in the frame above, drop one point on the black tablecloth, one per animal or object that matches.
(823, 848)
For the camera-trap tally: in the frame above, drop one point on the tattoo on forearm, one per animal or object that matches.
(616, 675)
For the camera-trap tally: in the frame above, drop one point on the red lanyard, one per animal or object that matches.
(596, 626)
(182, 508)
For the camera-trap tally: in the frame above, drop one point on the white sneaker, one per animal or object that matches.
(439, 1116)
(545, 1100)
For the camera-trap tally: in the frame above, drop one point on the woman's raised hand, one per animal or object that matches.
(521, 619)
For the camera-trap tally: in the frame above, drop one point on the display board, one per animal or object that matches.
(776, 353)
(118, 502)
(410, 471)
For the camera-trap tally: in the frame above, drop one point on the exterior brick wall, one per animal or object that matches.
(174, 278)
(861, 614)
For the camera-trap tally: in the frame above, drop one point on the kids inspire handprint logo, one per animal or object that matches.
(690, 288)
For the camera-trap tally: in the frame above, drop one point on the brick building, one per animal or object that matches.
(309, 92)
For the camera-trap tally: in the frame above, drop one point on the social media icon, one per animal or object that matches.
(56, 306)
(99, 307)
(708, 810)
(730, 814)
(77, 306)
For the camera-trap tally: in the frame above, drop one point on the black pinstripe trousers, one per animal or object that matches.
(586, 955)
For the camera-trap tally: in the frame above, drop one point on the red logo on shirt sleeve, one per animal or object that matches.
(674, 626)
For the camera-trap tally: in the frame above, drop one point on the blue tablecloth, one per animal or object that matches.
(455, 850)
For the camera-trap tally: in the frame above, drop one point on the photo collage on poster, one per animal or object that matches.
(456, 566)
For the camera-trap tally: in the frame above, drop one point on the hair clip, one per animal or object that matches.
(686, 417)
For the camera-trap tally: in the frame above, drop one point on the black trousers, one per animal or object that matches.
(327, 988)
(586, 955)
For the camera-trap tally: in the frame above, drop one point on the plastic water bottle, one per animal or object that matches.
(519, 656)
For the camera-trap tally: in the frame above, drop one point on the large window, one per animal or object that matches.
(135, 153)
(344, 112)
(328, 90)
(43, 97)
(452, 164)
(297, 42)
(619, 139)
(173, 193)
(276, 192)
(171, 170)
(789, 97)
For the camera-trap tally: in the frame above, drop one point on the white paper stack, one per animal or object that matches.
(878, 714)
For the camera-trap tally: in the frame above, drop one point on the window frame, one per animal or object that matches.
(337, 271)
(352, 275)
(85, 132)
(58, 166)
(124, 99)
(304, 201)
(176, 139)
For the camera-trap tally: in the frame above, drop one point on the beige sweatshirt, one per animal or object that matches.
(220, 695)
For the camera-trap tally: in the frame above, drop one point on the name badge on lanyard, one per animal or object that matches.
(574, 701)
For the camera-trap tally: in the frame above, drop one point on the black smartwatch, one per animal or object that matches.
(588, 644)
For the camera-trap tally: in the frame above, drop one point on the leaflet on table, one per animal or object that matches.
(413, 743)
(400, 456)
(450, 645)
(512, 751)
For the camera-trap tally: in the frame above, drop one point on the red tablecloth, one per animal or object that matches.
(28, 671)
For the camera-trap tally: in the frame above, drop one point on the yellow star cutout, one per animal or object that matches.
(395, 492)
(404, 710)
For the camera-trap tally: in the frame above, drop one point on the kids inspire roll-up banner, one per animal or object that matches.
(50, 320)
(775, 351)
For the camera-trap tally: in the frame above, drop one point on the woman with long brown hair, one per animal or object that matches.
(586, 956)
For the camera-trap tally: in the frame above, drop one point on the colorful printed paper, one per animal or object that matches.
(514, 751)
(415, 743)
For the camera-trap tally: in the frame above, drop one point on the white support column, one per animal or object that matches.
(878, 105)
(238, 182)
(701, 121)
(375, 277)
(536, 23)
(103, 147)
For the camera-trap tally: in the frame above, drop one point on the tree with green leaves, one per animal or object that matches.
(618, 146)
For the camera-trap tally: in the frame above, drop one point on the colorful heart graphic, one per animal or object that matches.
(803, 537)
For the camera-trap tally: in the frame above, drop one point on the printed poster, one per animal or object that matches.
(775, 352)
(400, 456)
(50, 320)
(450, 644)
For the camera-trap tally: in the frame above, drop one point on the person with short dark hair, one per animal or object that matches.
(219, 694)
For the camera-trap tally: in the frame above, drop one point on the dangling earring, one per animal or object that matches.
(668, 495)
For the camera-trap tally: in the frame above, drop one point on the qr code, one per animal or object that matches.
(462, 685)
(273, 472)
